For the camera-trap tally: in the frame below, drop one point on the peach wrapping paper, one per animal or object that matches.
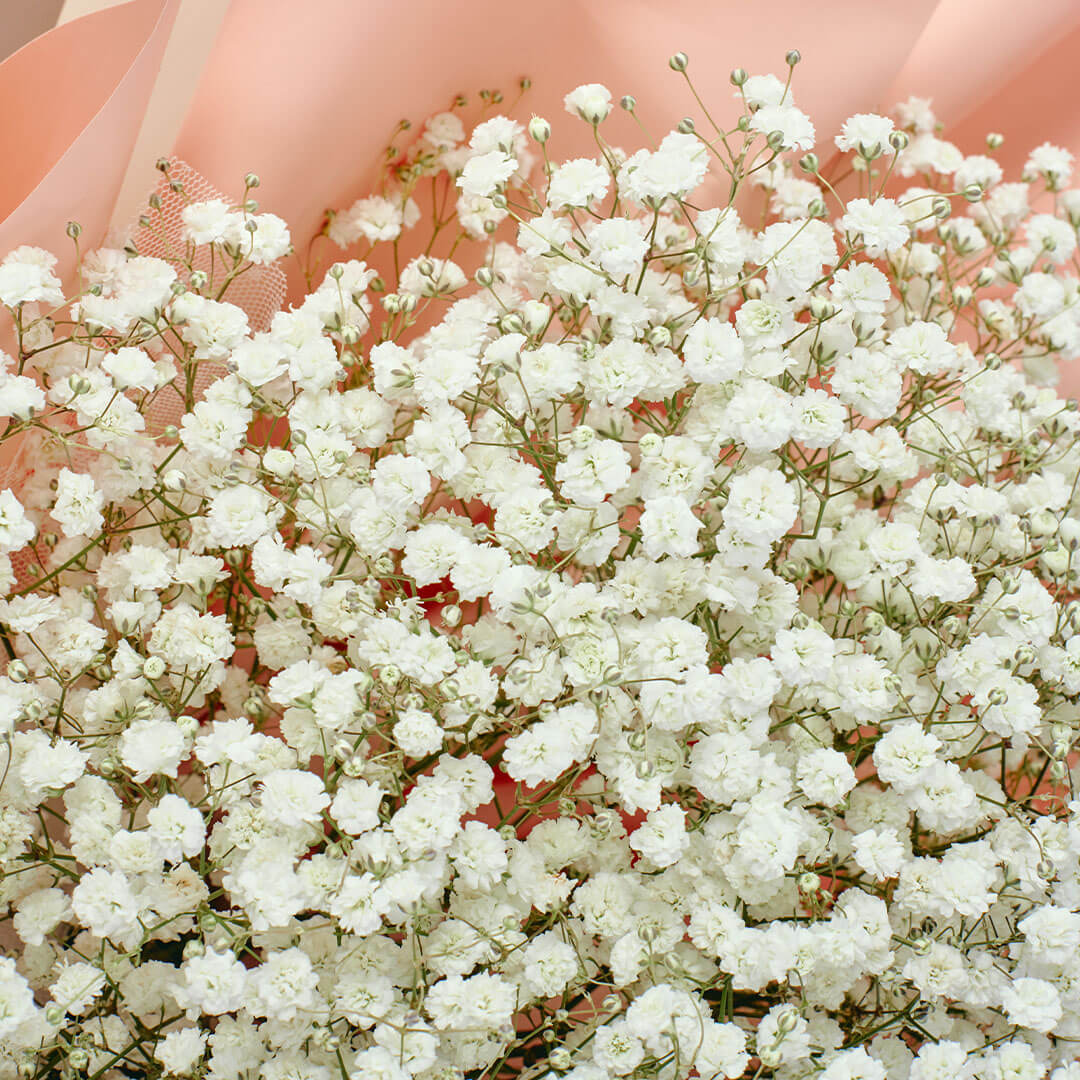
(71, 103)
(307, 94)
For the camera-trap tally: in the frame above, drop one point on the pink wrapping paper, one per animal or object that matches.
(73, 102)
(307, 95)
(315, 91)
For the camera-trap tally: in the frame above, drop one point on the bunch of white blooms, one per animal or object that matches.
(654, 652)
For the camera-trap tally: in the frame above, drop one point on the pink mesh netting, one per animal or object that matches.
(259, 290)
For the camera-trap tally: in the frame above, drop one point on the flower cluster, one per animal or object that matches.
(646, 646)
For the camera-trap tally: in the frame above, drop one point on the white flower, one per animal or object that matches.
(26, 276)
(20, 397)
(104, 903)
(484, 174)
(78, 504)
(824, 776)
(712, 351)
(676, 168)
(283, 985)
(76, 987)
(794, 128)
(206, 222)
(577, 183)
(879, 224)
(180, 1050)
(152, 747)
(1052, 163)
(592, 102)
(761, 507)
(177, 827)
(130, 368)
(293, 798)
(879, 853)
(16, 998)
(662, 838)
(214, 983)
(15, 529)
(1033, 1003)
(618, 245)
(866, 133)
(669, 527)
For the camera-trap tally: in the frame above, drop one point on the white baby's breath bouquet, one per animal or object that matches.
(651, 653)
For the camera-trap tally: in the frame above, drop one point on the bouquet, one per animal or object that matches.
(631, 632)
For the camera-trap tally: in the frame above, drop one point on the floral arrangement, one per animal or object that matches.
(653, 654)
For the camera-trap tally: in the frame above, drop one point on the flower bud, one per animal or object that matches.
(679, 62)
(738, 77)
(582, 436)
(650, 444)
(899, 140)
(560, 1058)
(539, 130)
(628, 102)
(786, 1022)
(153, 668)
(793, 57)
(809, 163)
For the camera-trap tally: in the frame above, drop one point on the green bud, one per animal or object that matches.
(539, 130)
